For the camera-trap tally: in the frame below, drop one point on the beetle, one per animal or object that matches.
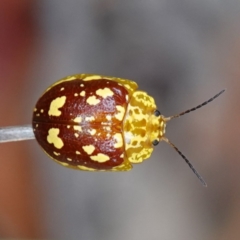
(99, 123)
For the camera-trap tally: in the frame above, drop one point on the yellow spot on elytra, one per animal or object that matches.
(81, 85)
(42, 110)
(89, 118)
(119, 140)
(57, 154)
(86, 168)
(77, 152)
(122, 155)
(68, 126)
(35, 109)
(79, 128)
(107, 129)
(37, 114)
(62, 89)
(105, 92)
(93, 100)
(36, 125)
(76, 135)
(75, 94)
(88, 149)
(109, 117)
(82, 93)
(93, 77)
(121, 112)
(92, 131)
(100, 157)
(64, 164)
(54, 139)
(77, 119)
(69, 159)
(55, 105)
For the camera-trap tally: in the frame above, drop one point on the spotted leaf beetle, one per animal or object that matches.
(99, 123)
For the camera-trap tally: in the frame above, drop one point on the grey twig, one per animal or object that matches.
(16, 133)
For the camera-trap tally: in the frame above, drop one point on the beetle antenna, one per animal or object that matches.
(187, 161)
(195, 108)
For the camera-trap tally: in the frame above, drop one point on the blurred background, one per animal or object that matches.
(180, 52)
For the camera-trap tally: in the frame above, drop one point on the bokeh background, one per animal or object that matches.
(182, 52)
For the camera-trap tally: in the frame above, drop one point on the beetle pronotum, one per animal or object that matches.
(97, 123)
